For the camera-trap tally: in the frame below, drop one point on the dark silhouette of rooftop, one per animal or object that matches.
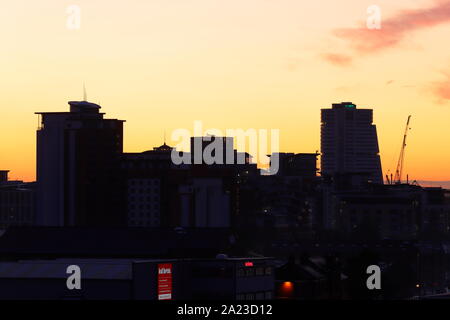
(112, 242)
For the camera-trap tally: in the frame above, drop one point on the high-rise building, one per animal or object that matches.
(349, 142)
(78, 159)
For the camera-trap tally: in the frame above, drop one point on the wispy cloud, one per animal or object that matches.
(394, 30)
(337, 59)
(441, 89)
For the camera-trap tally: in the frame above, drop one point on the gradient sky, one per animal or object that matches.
(161, 64)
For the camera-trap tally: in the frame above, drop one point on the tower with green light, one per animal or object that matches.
(349, 143)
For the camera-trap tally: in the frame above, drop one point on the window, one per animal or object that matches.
(250, 272)
(240, 296)
(250, 296)
(259, 296)
(260, 271)
(268, 270)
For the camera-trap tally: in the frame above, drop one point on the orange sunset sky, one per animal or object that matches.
(161, 64)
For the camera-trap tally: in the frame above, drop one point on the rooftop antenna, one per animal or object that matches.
(84, 92)
(164, 136)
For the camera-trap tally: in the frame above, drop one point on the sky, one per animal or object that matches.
(264, 64)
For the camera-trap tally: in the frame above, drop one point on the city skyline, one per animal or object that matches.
(431, 183)
(234, 154)
(248, 65)
(436, 183)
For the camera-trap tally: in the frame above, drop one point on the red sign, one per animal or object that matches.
(165, 281)
(248, 264)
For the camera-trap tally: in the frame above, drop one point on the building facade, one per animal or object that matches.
(139, 279)
(17, 202)
(77, 162)
(349, 142)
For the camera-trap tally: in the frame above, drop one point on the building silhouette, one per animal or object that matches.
(3, 176)
(349, 143)
(297, 164)
(149, 177)
(17, 202)
(195, 213)
(78, 153)
(219, 148)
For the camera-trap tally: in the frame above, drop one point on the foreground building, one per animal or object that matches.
(129, 263)
(138, 279)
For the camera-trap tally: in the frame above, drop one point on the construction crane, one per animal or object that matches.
(401, 158)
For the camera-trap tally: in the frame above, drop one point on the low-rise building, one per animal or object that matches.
(17, 202)
(138, 279)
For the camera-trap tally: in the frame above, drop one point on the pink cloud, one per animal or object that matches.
(393, 30)
(441, 89)
(337, 59)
